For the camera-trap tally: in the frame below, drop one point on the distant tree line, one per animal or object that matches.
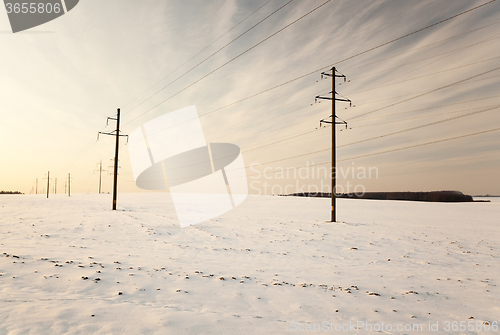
(434, 196)
(10, 192)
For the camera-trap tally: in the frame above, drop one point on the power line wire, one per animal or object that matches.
(211, 55)
(345, 59)
(424, 46)
(308, 96)
(366, 155)
(422, 126)
(491, 38)
(408, 94)
(380, 136)
(425, 92)
(421, 95)
(426, 108)
(418, 117)
(419, 145)
(230, 61)
(446, 54)
(373, 88)
(199, 52)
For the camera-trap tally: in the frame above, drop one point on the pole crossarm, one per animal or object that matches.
(112, 133)
(336, 122)
(334, 73)
(110, 118)
(332, 98)
(336, 99)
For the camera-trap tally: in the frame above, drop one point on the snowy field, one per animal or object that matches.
(271, 266)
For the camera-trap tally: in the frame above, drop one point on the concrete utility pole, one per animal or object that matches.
(100, 175)
(55, 186)
(334, 74)
(48, 183)
(117, 147)
(69, 184)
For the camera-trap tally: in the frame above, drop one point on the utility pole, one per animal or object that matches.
(117, 147)
(100, 175)
(36, 186)
(69, 184)
(55, 186)
(48, 183)
(334, 74)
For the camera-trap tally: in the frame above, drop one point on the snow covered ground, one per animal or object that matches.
(271, 266)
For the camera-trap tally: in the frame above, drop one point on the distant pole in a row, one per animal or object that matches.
(36, 192)
(100, 175)
(48, 183)
(69, 184)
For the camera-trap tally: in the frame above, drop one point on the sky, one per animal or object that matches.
(414, 99)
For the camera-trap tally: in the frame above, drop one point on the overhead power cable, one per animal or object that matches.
(199, 52)
(389, 83)
(345, 59)
(384, 152)
(385, 135)
(383, 85)
(422, 126)
(421, 95)
(417, 117)
(264, 104)
(307, 74)
(231, 60)
(422, 47)
(426, 108)
(210, 56)
(453, 52)
(419, 145)
(366, 155)
(328, 66)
